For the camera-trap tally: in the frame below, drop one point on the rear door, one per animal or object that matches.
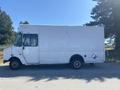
(31, 48)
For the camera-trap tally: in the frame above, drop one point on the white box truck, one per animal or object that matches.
(42, 44)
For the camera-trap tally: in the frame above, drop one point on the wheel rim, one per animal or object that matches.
(15, 64)
(77, 64)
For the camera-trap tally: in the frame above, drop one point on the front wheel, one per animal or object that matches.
(15, 64)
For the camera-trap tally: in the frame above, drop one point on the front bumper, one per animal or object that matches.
(5, 61)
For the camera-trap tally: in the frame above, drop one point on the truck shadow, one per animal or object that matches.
(53, 72)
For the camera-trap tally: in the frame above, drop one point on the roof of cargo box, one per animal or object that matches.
(37, 27)
(29, 25)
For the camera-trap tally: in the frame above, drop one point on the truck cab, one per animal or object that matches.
(24, 50)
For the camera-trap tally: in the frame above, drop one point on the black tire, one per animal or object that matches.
(15, 64)
(76, 63)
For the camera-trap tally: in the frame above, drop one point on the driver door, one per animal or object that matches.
(31, 48)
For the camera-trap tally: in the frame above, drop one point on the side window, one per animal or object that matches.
(34, 40)
(30, 40)
(18, 40)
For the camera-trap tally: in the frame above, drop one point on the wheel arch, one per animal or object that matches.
(77, 56)
(15, 58)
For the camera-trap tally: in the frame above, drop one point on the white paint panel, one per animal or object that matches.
(58, 43)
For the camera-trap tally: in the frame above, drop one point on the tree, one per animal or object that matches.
(107, 13)
(6, 33)
(24, 22)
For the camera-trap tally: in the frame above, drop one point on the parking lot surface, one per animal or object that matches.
(60, 77)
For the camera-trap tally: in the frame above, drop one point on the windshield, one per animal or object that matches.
(18, 41)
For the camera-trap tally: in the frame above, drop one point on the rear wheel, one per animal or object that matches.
(76, 63)
(15, 64)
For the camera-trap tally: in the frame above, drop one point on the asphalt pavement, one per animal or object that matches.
(105, 76)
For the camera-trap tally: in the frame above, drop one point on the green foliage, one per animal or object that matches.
(6, 33)
(107, 13)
